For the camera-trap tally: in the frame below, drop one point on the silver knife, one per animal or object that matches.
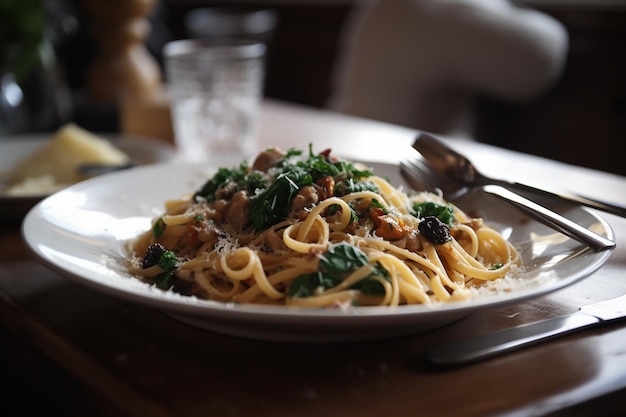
(492, 344)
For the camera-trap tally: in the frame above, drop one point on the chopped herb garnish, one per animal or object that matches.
(168, 262)
(372, 286)
(377, 205)
(273, 204)
(342, 258)
(158, 228)
(306, 285)
(222, 177)
(271, 194)
(443, 212)
(338, 262)
(156, 254)
(349, 185)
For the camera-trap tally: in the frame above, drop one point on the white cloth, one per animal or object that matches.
(421, 63)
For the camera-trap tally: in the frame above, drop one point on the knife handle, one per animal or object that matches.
(492, 344)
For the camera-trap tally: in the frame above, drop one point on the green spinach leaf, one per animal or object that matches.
(443, 212)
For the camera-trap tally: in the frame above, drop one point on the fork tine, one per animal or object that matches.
(416, 175)
(417, 171)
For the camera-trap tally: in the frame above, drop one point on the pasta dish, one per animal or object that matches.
(306, 229)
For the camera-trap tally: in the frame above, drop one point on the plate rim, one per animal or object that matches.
(245, 312)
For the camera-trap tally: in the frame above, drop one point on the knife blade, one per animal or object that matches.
(488, 345)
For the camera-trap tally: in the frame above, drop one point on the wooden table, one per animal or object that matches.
(68, 348)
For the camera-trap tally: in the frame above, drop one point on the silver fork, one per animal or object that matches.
(418, 173)
(449, 163)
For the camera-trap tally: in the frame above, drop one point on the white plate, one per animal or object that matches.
(81, 233)
(15, 149)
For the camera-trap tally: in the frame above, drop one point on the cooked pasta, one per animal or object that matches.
(305, 229)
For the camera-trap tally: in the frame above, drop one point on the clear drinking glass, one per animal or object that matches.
(215, 90)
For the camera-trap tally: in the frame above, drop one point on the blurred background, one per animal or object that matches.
(579, 119)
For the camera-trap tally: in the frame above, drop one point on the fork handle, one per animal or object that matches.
(613, 208)
(550, 218)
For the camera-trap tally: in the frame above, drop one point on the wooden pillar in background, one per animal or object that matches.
(122, 65)
(124, 74)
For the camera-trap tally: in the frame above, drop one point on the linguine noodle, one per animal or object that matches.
(314, 231)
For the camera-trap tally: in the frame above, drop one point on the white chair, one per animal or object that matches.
(422, 63)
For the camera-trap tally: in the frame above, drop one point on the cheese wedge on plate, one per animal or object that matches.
(57, 162)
